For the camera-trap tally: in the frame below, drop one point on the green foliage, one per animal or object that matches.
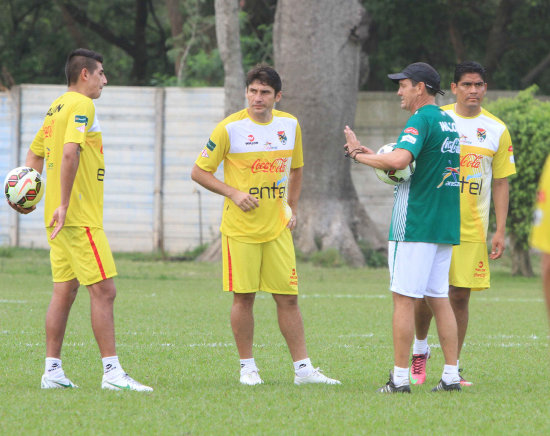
(373, 258)
(528, 120)
(330, 258)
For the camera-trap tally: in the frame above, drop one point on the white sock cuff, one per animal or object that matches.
(111, 365)
(52, 364)
(248, 365)
(420, 346)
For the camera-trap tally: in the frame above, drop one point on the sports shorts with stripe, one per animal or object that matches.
(419, 269)
(82, 253)
(470, 266)
(266, 266)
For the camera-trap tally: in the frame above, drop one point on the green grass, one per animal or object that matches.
(173, 333)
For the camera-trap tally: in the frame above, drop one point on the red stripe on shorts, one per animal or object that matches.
(96, 254)
(229, 270)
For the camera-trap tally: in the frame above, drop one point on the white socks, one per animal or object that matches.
(248, 365)
(53, 367)
(450, 374)
(303, 367)
(111, 367)
(420, 346)
(400, 376)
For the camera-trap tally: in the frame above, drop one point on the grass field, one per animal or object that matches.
(173, 333)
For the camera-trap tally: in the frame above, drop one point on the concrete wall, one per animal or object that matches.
(151, 138)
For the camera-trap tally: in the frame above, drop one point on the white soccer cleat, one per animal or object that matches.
(124, 383)
(59, 382)
(315, 377)
(251, 378)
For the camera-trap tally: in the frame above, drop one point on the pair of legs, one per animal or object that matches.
(459, 299)
(288, 315)
(102, 296)
(404, 324)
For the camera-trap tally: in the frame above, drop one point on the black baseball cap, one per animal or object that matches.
(420, 72)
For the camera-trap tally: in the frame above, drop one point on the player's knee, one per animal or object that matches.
(459, 296)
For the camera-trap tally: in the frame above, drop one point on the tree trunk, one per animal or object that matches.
(317, 52)
(498, 36)
(176, 29)
(229, 45)
(521, 260)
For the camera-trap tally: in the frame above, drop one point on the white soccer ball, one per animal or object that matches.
(23, 186)
(394, 177)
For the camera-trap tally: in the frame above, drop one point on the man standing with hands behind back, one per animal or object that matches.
(485, 156)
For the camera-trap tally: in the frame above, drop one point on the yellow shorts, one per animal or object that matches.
(267, 266)
(82, 253)
(470, 266)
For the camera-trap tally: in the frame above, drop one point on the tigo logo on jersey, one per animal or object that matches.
(411, 130)
(282, 137)
(481, 134)
(268, 146)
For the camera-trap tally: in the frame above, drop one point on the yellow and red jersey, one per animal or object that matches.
(71, 118)
(257, 159)
(540, 234)
(485, 153)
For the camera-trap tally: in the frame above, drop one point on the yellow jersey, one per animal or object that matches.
(257, 159)
(71, 118)
(485, 153)
(540, 233)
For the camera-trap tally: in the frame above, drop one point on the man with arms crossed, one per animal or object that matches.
(261, 149)
(70, 143)
(485, 155)
(425, 220)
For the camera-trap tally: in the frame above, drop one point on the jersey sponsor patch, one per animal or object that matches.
(481, 134)
(210, 145)
(411, 130)
(81, 119)
(204, 153)
(81, 128)
(409, 138)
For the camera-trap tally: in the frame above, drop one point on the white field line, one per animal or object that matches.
(13, 301)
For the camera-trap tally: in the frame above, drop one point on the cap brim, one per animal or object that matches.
(397, 77)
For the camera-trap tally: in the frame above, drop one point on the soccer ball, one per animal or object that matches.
(23, 186)
(394, 177)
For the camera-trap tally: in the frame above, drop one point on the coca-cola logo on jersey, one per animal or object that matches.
(471, 160)
(266, 166)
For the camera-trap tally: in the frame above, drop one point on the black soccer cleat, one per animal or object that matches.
(442, 386)
(390, 387)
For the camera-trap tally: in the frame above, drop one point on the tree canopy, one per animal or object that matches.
(173, 42)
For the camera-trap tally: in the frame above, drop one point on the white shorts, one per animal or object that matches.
(419, 269)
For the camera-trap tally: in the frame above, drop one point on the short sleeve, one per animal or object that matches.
(79, 122)
(503, 161)
(215, 150)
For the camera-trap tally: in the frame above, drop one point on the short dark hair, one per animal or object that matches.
(266, 75)
(79, 59)
(429, 90)
(469, 67)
